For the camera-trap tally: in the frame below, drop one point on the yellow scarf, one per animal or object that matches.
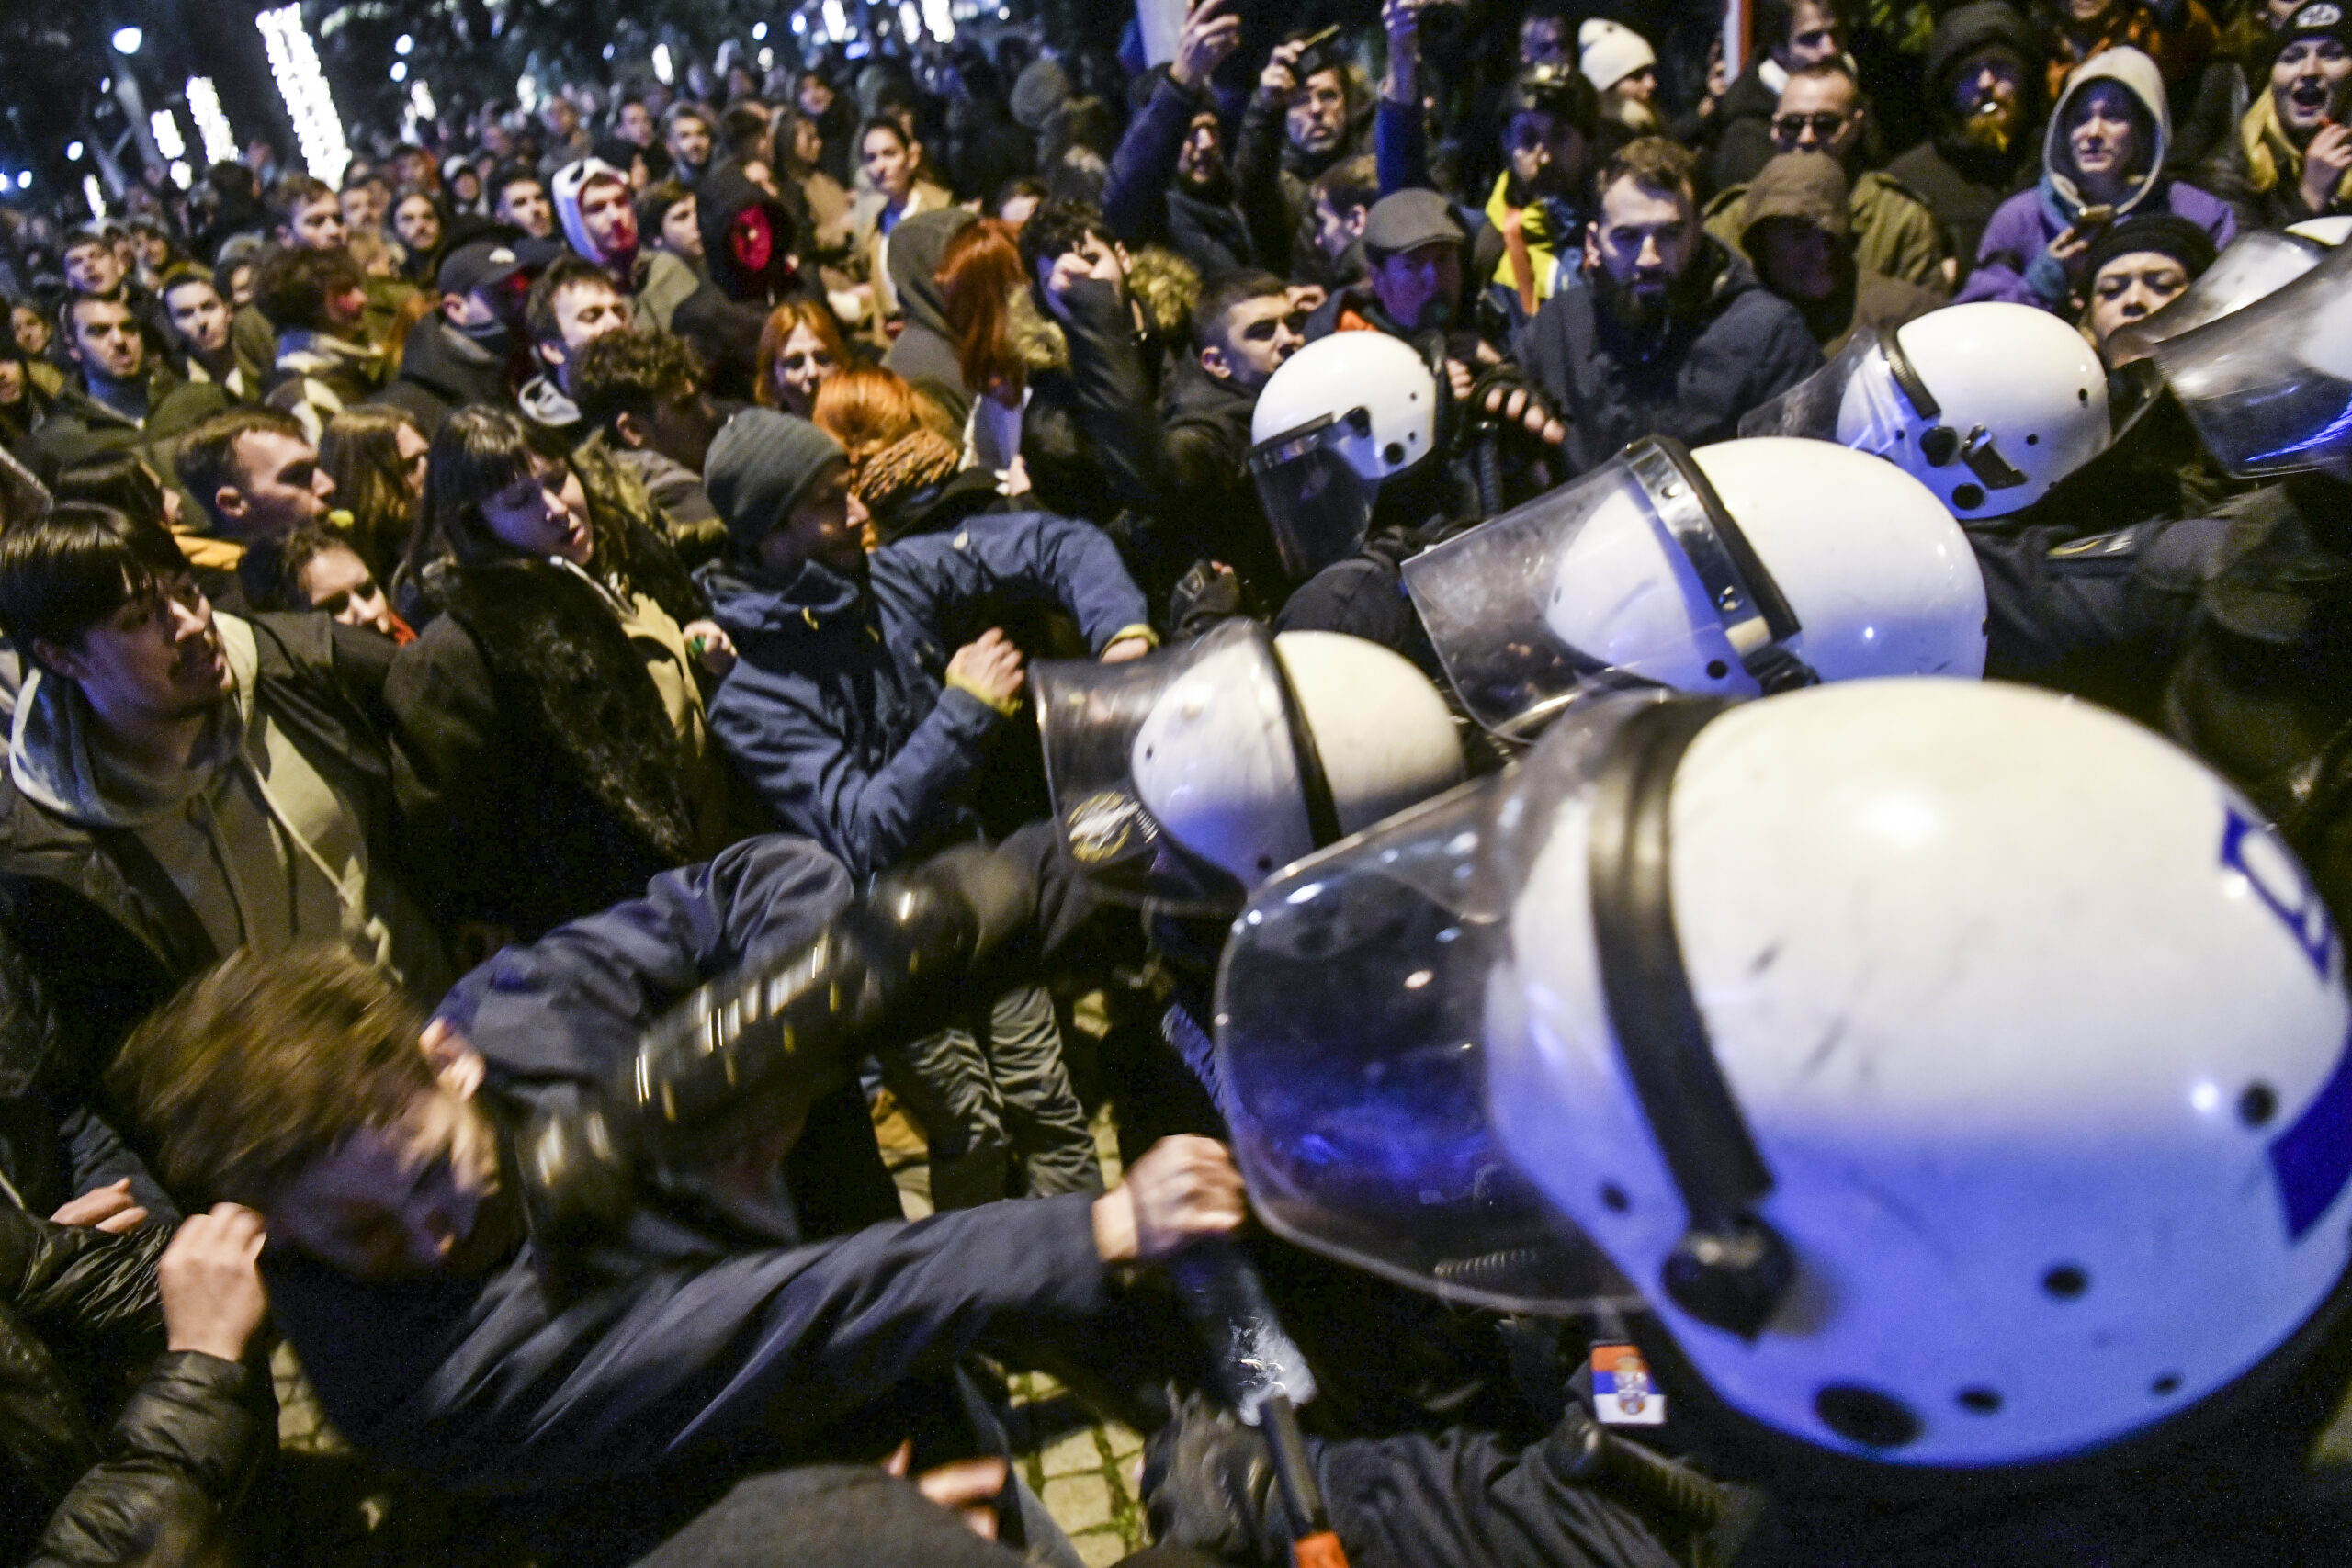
(2270, 158)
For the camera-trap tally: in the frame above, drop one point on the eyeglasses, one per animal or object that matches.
(1789, 128)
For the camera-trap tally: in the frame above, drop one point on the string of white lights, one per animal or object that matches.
(294, 60)
(211, 124)
(165, 128)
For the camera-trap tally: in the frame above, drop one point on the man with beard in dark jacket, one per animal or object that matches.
(1674, 336)
(1987, 146)
(1179, 133)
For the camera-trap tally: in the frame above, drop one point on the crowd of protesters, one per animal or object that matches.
(669, 490)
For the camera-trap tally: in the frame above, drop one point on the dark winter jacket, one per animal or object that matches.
(107, 932)
(80, 428)
(625, 1403)
(154, 1486)
(1144, 203)
(1730, 346)
(837, 710)
(542, 777)
(925, 353)
(1743, 124)
(1212, 502)
(1087, 437)
(443, 371)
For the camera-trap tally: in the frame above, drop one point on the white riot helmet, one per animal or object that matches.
(1344, 416)
(1987, 404)
(1186, 778)
(1743, 568)
(2327, 230)
(1942, 1126)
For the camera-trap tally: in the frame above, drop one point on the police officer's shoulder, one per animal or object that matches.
(2182, 553)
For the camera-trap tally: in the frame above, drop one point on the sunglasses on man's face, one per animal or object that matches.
(1792, 127)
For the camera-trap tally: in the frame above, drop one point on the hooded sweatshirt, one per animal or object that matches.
(261, 840)
(925, 352)
(2013, 261)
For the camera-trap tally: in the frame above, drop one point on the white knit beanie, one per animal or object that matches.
(1611, 52)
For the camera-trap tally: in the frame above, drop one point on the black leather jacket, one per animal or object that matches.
(76, 1304)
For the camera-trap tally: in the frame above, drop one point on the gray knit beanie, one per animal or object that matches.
(759, 467)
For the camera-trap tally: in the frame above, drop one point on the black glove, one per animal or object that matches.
(1209, 1484)
(1209, 592)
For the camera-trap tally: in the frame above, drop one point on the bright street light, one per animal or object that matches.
(128, 40)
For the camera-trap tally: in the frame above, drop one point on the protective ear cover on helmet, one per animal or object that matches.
(2258, 263)
(1766, 1004)
(1185, 778)
(1987, 404)
(1741, 568)
(1344, 416)
(2269, 387)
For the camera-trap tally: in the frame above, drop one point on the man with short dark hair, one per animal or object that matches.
(308, 215)
(1245, 328)
(182, 785)
(120, 399)
(1087, 434)
(199, 319)
(573, 303)
(1341, 202)
(1672, 335)
(689, 135)
(641, 395)
(1891, 232)
(517, 196)
(751, 1309)
(256, 475)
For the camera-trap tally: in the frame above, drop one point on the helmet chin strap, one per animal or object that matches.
(1731, 1269)
(1314, 784)
(1756, 616)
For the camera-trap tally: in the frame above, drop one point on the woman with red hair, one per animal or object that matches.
(800, 349)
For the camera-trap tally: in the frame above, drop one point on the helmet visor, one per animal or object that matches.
(1351, 1024)
(2258, 263)
(1317, 505)
(1854, 400)
(1631, 576)
(1092, 720)
(2270, 387)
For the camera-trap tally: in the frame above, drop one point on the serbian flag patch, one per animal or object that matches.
(1622, 1393)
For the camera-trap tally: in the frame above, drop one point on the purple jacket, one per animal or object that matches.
(2022, 228)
